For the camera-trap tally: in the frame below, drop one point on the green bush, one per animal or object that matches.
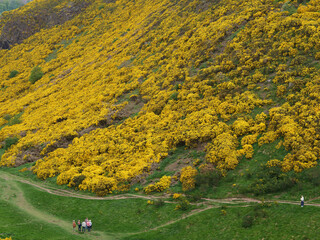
(183, 204)
(9, 142)
(7, 117)
(36, 74)
(13, 120)
(13, 73)
(272, 179)
(158, 203)
(312, 175)
(174, 96)
(247, 221)
(195, 196)
(77, 180)
(289, 8)
(208, 178)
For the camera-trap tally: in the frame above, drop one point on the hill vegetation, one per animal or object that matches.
(123, 85)
(7, 5)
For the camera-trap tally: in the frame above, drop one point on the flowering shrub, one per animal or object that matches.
(176, 195)
(163, 184)
(246, 150)
(23, 169)
(183, 204)
(222, 151)
(274, 163)
(187, 178)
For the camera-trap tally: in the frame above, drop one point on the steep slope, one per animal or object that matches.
(125, 82)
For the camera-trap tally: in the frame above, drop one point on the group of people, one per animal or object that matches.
(82, 226)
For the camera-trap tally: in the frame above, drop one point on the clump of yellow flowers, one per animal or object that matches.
(163, 184)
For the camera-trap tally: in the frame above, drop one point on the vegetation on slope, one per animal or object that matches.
(124, 83)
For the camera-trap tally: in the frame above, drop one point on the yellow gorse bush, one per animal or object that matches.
(163, 184)
(187, 178)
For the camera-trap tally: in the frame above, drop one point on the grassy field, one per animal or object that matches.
(112, 219)
(116, 216)
(20, 226)
(276, 222)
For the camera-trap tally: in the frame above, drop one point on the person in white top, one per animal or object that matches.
(302, 201)
(84, 225)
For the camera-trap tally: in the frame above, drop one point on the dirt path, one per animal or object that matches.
(72, 193)
(14, 194)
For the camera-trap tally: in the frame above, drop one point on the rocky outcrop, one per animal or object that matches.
(21, 25)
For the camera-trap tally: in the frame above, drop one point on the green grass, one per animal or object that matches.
(308, 185)
(126, 97)
(52, 55)
(134, 215)
(115, 216)
(21, 226)
(280, 222)
(12, 120)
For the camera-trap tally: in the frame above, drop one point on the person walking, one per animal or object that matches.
(79, 225)
(89, 225)
(86, 220)
(84, 225)
(302, 201)
(74, 225)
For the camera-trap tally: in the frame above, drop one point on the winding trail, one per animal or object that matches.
(15, 195)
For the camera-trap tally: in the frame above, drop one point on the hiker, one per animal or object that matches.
(84, 225)
(89, 225)
(302, 201)
(74, 224)
(79, 225)
(86, 221)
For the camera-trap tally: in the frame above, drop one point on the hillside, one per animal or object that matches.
(105, 96)
(7, 5)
